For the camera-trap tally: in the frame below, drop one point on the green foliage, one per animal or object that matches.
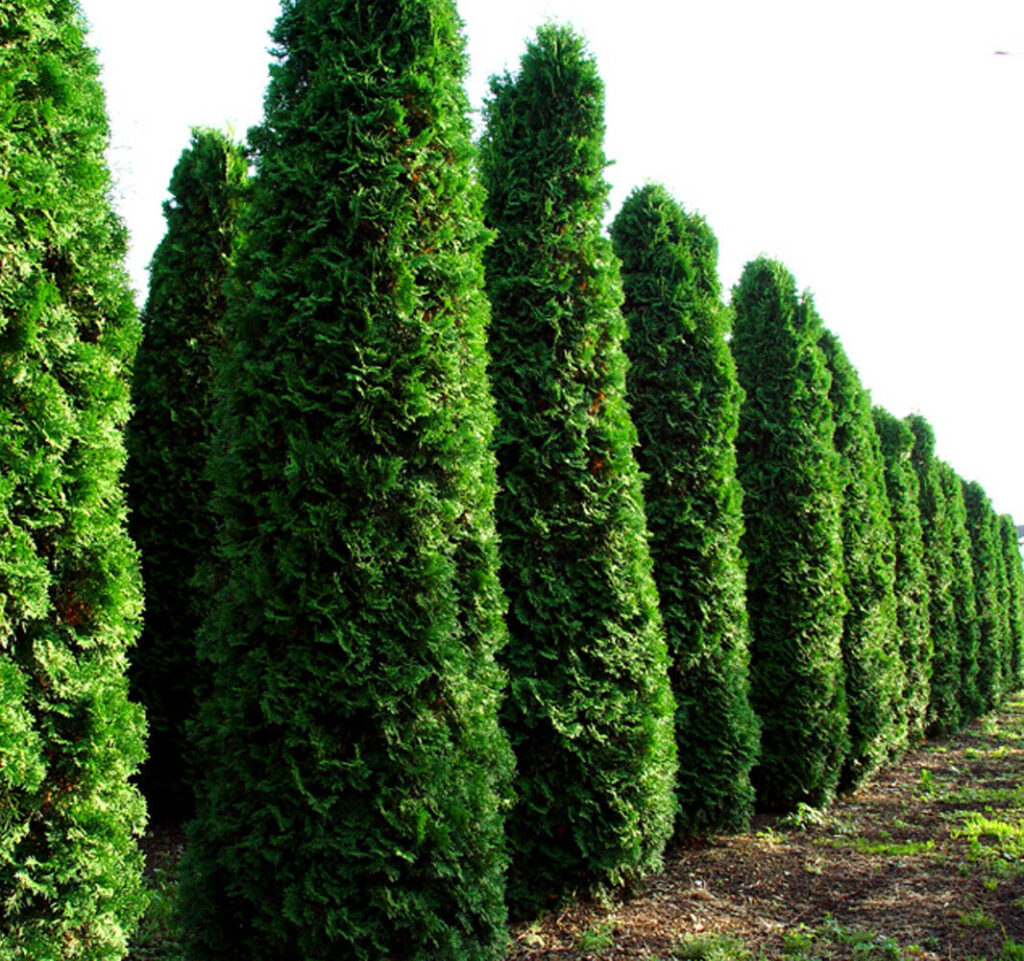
(352, 801)
(589, 710)
(964, 603)
(1015, 597)
(871, 657)
(793, 544)
(70, 869)
(911, 583)
(986, 552)
(684, 398)
(944, 698)
(168, 443)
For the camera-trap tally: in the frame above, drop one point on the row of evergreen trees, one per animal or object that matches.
(441, 652)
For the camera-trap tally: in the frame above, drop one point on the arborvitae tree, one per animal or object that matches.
(589, 710)
(70, 869)
(911, 584)
(793, 541)
(964, 605)
(168, 446)
(685, 399)
(1015, 596)
(944, 697)
(1002, 605)
(351, 804)
(871, 656)
(984, 549)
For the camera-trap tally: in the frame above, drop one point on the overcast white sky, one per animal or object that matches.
(876, 148)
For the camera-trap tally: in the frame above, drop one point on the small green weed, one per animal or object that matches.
(802, 817)
(1011, 951)
(977, 918)
(598, 938)
(713, 947)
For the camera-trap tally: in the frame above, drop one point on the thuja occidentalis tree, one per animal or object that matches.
(871, 655)
(1002, 605)
(70, 600)
(793, 540)
(589, 710)
(1015, 596)
(168, 446)
(354, 775)
(944, 695)
(684, 397)
(911, 583)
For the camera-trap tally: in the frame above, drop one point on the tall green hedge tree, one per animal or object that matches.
(911, 583)
(684, 397)
(964, 603)
(70, 600)
(944, 696)
(1002, 605)
(354, 775)
(589, 710)
(793, 540)
(1015, 596)
(871, 656)
(984, 550)
(168, 444)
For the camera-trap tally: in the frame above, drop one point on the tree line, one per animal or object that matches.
(485, 553)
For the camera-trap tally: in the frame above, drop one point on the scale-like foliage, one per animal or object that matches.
(168, 445)
(589, 710)
(871, 655)
(1005, 628)
(1015, 597)
(351, 804)
(793, 540)
(684, 397)
(944, 696)
(70, 601)
(964, 605)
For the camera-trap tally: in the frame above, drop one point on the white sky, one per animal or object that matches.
(876, 148)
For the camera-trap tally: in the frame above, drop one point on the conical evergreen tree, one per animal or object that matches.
(873, 669)
(1015, 597)
(984, 548)
(685, 399)
(354, 772)
(911, 584)
(793, 540)
(70, 869)
(1002, 605)
(964, 605)
(168, 446)
(944, 696)
(589, 710)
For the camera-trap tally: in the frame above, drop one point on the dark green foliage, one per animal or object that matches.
(685, 399)
(354, 771)
(1015, 597)
(911, 584)
(964, 605)
(70, 869)
(986, 550)
(1005, 630)
(589, 710)
(168, 445)
(793, 542)
(944, 697)
(871, 652)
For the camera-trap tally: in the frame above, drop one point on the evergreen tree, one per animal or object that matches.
(685, 399)
(1015, 597)
(70, 868)
(351, 803)
(1002, 605)
(589, 710)
(964, 605)
(984, 549)
(873, 669)
(793, 541)
(944, 696)
(168, 445)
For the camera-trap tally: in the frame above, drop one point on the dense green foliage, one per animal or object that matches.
(352, 803)
(1005, 630)
(168, 446)
(964, 604)
(793, 540)
(1015, 597)
(685, 399)
(589, 710)
(70, 870)
(986, 550)
(944, 697)
(911, 583)
(871, 652)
